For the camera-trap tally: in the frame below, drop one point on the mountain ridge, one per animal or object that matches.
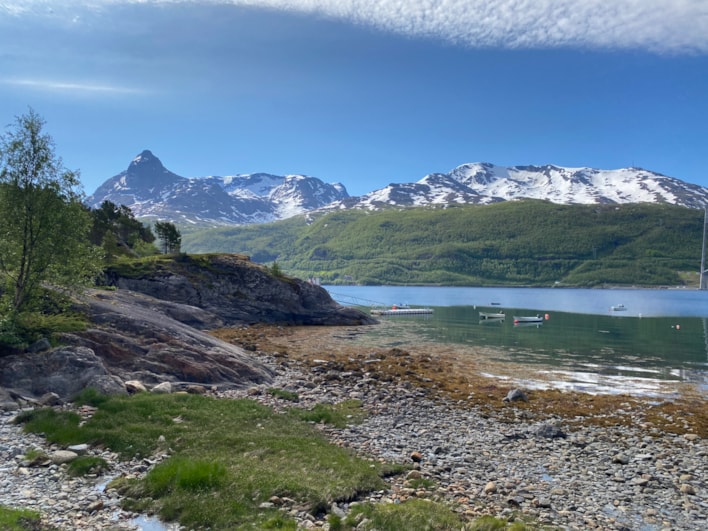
(152, 191)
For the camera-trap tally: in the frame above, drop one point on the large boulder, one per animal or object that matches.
(236, 291)
(65, 371)
(137, 339)
(150, 329)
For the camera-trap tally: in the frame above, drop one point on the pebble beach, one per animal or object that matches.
(563, 475)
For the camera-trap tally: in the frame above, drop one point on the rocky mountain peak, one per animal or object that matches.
(147, 171)
(145, 161)
(151, 190)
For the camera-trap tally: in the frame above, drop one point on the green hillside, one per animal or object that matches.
(509, 243)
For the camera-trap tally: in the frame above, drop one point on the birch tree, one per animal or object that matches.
(43, 224)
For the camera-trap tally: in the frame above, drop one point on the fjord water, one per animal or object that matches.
(661, 334)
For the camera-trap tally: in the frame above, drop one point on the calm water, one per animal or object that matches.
(662, 335)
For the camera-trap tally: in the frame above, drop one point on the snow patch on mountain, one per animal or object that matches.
(150, 190)
(483, 183)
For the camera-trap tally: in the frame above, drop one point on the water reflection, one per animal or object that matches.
(660, 336)
(579, 351)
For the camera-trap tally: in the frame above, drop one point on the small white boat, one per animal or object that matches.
(492, 315)
(618, 308)
(528, 324)
(528, 319)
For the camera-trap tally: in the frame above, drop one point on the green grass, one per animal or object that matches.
(59, 427)
(87, 464)
(413, 515)
(228, 457)
(338, 415)
(20, 520)
(284, 394)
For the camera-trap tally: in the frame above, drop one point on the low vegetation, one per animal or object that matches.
(20, 520)
(530, 243)
(226, 457)
(230, 464)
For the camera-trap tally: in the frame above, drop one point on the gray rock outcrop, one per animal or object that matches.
(64, 371)
(151, 330)
(233, 290)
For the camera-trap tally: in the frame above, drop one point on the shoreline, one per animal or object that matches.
(613, 469)
(568, 460)
(470, 362)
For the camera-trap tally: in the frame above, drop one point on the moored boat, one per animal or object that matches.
(492, 315)
(618, 308)
(528, 319)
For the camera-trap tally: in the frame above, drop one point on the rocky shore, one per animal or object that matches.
(569, 476)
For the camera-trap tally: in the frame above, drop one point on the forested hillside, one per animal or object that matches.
(510, 243)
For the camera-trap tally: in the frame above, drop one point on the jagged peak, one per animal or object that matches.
(145, 160)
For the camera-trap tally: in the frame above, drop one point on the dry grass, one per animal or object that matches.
(463, 374)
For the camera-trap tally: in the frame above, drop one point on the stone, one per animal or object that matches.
(64, 371)
(490, 487)
(516, 395)
(135, 386)
(685, 488)
(620, 459)
(50, 399)
(162, 388)
(414, 474)
(62, 456)
(549, 431)
(39, 346)
(544, 503)
(80, 449)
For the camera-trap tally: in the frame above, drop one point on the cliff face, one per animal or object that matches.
(152, 329)
(233, 290)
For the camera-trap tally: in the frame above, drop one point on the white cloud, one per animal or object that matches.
(674, 26)
(63, 86)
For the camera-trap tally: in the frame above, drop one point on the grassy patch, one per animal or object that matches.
(414, 514)
(59, 427)
(290, 396)
(228, 457)
(20, 520)
(337, 415)
(87, 464)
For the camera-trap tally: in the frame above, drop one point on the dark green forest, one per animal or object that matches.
(520, 243)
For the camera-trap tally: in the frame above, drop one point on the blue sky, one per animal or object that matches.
(362, 92)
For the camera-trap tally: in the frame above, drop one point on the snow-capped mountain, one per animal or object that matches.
(150, 190)
(482, 183)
